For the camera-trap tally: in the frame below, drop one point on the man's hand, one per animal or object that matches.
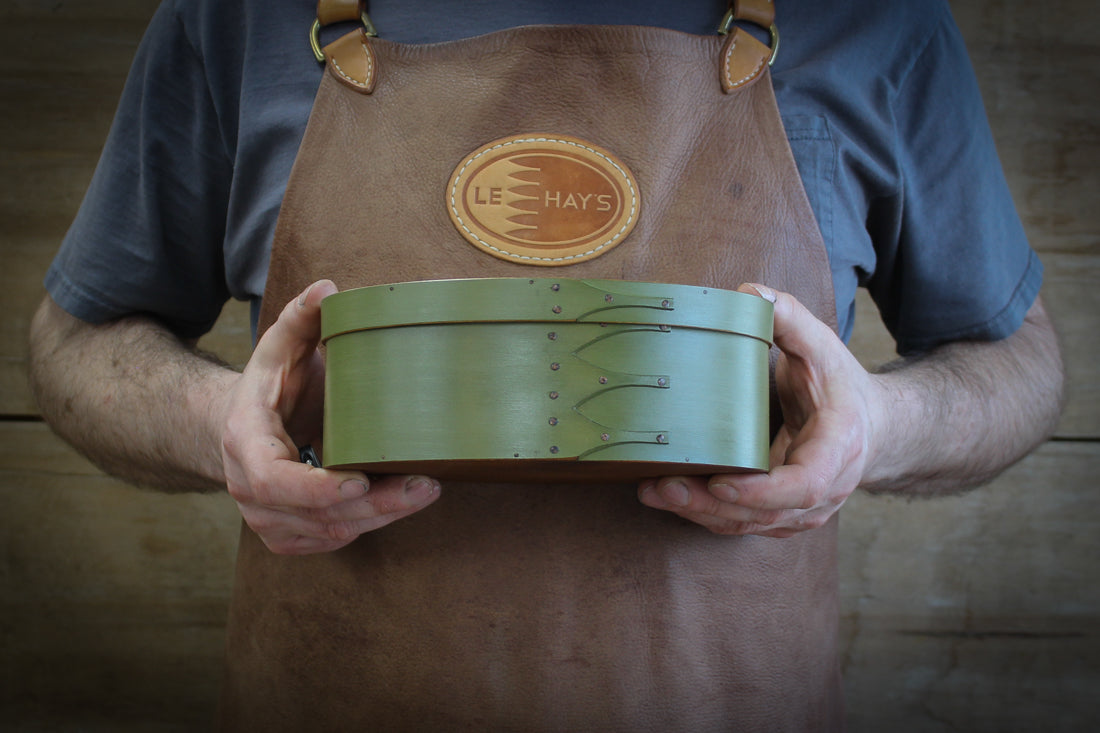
(818, 456)
(950, 419)
(149, 408)
(274, 407)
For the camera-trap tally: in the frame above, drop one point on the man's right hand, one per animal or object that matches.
(274, 407)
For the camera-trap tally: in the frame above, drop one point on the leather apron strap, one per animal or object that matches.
(542, 607)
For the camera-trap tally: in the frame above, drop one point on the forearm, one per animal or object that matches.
(132, 397)
(960, 415)
(148, 408)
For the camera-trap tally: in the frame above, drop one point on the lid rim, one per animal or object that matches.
(558, 301)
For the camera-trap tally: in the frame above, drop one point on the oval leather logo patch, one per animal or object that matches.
(543, 200)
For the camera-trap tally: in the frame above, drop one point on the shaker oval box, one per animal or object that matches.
(546, 380)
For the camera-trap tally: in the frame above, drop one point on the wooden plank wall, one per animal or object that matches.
(979, 612)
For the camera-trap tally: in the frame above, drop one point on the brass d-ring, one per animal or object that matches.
(315, 41)
(315, 34)
(726, 25)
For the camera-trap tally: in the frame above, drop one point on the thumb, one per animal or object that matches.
(297, 331)
(796, 331)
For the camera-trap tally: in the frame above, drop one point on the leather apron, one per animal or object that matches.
(543, 607)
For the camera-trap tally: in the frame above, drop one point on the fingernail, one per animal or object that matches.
(676, 493)
(765, 292)
(304, 295)
(353, 488)
(419, 489)
(724, 492)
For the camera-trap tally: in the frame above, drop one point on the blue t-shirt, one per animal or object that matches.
(879, 102)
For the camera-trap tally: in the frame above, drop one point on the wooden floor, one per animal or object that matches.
(979, 612)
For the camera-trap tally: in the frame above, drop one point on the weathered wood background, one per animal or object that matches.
(979, 612)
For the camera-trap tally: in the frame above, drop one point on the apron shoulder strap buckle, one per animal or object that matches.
(743, 57)
(338, 11)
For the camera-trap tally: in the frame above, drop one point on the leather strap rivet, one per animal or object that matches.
(556, 309)
(553, 421)
(553, 395)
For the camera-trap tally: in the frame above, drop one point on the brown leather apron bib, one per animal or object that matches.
(546, 607)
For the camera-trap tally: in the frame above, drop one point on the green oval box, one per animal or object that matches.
(549, 380)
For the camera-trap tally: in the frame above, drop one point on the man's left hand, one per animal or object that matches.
(818, 457)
